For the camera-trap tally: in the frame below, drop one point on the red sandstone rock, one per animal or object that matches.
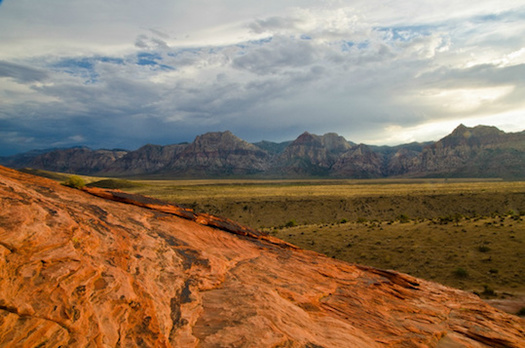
(78, 271)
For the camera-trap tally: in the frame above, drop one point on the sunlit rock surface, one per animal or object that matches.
(83, 271)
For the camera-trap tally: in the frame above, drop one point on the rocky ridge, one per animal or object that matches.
(480, 151)
(79, 270)
(311, 154)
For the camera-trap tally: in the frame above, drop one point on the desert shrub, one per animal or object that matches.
(460, 273)
(483, 248)
(488, 291)
(291, 223)
(443, 220)
(343, 221)
(75, 181)
(403, 218)
(361, 220)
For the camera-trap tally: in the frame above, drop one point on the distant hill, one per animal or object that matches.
(475, 152)
(481, 151)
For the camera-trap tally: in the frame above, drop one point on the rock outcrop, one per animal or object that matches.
(311, 154)
(219, 154)
(78, 270)
(147, 159)
(360, 162)
(477, 152)
(72, 160)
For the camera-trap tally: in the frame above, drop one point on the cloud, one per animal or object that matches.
(151, 43)
(164, 72)
(273, 24)
(21, 73)
(277, 55)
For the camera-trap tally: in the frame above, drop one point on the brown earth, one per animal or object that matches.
(78, 270)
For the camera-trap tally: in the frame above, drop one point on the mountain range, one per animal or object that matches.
(481, 151)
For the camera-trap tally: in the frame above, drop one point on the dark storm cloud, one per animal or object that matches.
(21, 73)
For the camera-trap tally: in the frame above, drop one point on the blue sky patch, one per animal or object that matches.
(145, 58)
(347, 45)
(406, 33)
(84, 67)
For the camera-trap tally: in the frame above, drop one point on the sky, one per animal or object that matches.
(121, 74)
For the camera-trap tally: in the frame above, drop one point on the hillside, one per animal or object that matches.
(78, 270)
(480, 151)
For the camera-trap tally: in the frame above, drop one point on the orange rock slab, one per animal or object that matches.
(84, 271)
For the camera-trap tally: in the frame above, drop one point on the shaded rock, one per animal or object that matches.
(360, 162)
(220, 154)
(480, 151)
(148, 159)
(311, 154)
(402, 162)
(75, 160)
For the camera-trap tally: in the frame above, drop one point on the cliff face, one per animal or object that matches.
(73, 160)
(311, 154)
(360, 162)
(481, 151)
(148, 159)
(220, 153)
(78, 270)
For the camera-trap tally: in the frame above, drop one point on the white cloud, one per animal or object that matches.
(162, 71)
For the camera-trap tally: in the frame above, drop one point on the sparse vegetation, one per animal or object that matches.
(460, 273)
(483, 248)
(75, 181)
(460, 224)
(488, 291)
(291, 223)
(402, 218)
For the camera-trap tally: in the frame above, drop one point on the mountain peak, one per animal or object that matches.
(307, 137)
(220, 140)
(335, 142)
(459, 130)
(477, 131)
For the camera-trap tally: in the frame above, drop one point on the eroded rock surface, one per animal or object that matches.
(78, 270)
